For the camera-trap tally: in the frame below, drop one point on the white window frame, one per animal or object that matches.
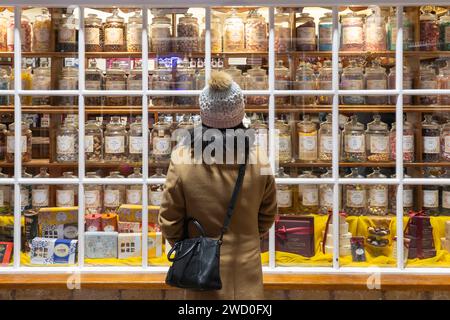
(145, 181)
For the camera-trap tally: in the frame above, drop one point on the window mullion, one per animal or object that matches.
(207, 43)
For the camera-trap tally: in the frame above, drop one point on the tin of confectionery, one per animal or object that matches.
(93, 222)
(31, 225)
(109, 222)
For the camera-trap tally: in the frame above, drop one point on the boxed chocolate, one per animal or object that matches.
(53, 251)
(295, 235)
(133, 213)
(99, 245)
(129, 245)
(426, 231)
(427, 243)
(426, 253)
(154, 244)
(129, 227)
(59, 223)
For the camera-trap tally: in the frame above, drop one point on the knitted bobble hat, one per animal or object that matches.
(221, 102)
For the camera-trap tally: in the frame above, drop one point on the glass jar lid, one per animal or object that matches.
(92, 18)
(188, 18)
(115, 69)
(115, 17)
(68, 174)
(281, 173)
(115, 124)
(306, 123)
(93, 125)
(136, 18)
(115, 174)
(327, 17)
(353, 124)
(376, 174)
(354, 173)
(92, 174)
(69, 72)
(429, 122)
(353, 67)
(377, 124)
(161, 19)
(327, 174)
(304, 17)
(307, 174)
(427, 15)
(24, 126)
(327, 124)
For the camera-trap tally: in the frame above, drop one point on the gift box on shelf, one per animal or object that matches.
(133, 213)
(53, 251)
(59, 223)
(421, 242)
(100, 244)
(129, 245)
(154, 244)
(295, 235)
(129, 227)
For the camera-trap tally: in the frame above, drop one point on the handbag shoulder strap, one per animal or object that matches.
(236, 190)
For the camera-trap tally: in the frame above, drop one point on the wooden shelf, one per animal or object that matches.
(390, 164)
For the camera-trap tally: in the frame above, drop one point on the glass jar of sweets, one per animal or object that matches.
(430, 196)
(352, 79)
(308, 195)
(134, 191)
(430, 139)
(93, 33)
(115, 140)
(444, 31)
(408, 32)
(93, 196)
(283, 141)
(161, 141)
(407, 141)
(187, 33)
(134, 32)
(353, 140)
(304, 80)
(135, 141)
(326, 32)
(261, 136)
(185, 80)
(67, 39)
(285, 195)
(155, 191)
(428, 80)
(307, 140)
(135, 83)
(445, 141)
(161, 33)
(67, 194)
(115, 79)
(378, 195)
(445, 202)
(377, 140)
(93, 81)
(355, 195)
(115, 34)
(114, 194)
(429, 31)
(408, 197)
(216, 35)
(233, 33)
(93, 141)
(257, 80)
(162, 80)
(255, 32)
(326, 194)
(237, 76)
(282, 81)
(42, 28)
(375, 33)
(68, 81)
(25, 34)
(305, 30)
(282, 27)
(67, 142)
(4, 85)
(25, 142)
(326, 140)
(376, 79)
(41, 80)
(407, 84)
(444, 83)
(352, 31)
(40, 193)
(324, 82)
(4, 17)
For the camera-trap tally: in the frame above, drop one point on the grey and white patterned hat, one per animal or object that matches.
(221, 102)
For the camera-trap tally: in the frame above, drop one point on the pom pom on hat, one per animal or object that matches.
(220, 81)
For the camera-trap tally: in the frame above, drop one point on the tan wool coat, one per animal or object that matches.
(203, 192)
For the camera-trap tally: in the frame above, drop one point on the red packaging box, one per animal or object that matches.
(425, 242)
(426, 253)
(295, 235)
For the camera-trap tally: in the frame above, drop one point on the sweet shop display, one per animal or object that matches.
(352, 32)
(377, 195)
(431, 141)
(114, 33)
(419, 231)
(233, 33)
(93, 31)
(134, 33)
(25, 142)
(308, 195)
(355, 196)
(326, 32)
(256, 33)
(305, 32)
(67, 40)
(344, 238)
(377, 140)
(187, 34)
(289, 239)
(282, 29)
(67, 142)
(115, 140)
(307, 140)
(93, 141)
(354, 141)
(407, 142)
(325, 138)
(283, 141)
(41, 31)
(429, 32)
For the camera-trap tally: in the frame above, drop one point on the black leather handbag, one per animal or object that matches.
(196, 264)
